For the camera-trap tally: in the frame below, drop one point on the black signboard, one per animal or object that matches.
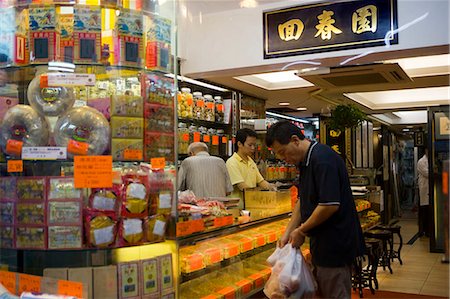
(419, 139)
(336, 140)
(329, 27)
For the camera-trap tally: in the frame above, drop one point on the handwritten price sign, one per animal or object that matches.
(93, 171)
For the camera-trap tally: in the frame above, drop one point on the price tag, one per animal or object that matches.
(197, 225)
(14, 147)
(8, 280)
(195, 262)
(77, 147)
(196, 136)
(183, 229)
(93, 171)
(223, 221)
(15, 166)
(70, 288)
(132, 154)
(185, 137)
(206, 138)
(224, 139)
(29, 283)
(67, 79)
(215, 140)
(43, 81)
(189, 227)
(158, 163)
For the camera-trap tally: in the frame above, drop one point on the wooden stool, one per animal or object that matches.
(395, 229)
(374, 258)
(386, 238)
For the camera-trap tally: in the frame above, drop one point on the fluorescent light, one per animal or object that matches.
(54, 68)
(424, 65)
(286, 117)
(62, 64)
(403, 117)
(404, 98)
(405, 130)
(301, 108)
(284, 103)
(377, 128)
(189, 80)
(275, 80)
(248, 3)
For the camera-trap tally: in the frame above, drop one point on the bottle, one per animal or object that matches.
(219, 111)
(185, 103)
(209, 108)
(183, 138)
(199, 105)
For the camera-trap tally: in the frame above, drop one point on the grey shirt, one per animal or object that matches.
(205, 175)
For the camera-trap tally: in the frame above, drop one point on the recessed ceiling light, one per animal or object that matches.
(403, 117)
(284, 103)
(301, 108)
(275, 80)
(405, 130)
(424, 65)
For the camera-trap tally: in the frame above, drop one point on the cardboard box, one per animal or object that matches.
(129, 286)
(49, 285)
(83, 275)
(150, 280)
(105, 282)
(166, 273)
(58, 273)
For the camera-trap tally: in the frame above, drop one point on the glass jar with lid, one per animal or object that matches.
(223, 141)
(209, 108)
(183, 138)
(206, 138)
(185, 103)
(199, 105)
(214, 142)
(193, 130)
(219, 110)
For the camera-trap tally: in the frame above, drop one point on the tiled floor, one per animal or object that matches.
(421, 273)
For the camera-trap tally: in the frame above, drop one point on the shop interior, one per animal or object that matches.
(100, 100)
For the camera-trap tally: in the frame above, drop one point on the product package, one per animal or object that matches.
(130, 47)
(65, 237)
(166, 273)
(127, 127)
(87, 32)
(44, 38)
(106, 199)
(7, 237)
(157, 145)
(31, 237)
(129, 280)
(127, 105)
(155, 228)
(8, 188)
(127, 149)
(158, 43)
(63, 188)
(131, 231)
(64, 25)
(135, 196)
(31, 188)
(100, 228)
(64, 212)
(158, 118)
(159, 90)
(149, 278)
(31, 213)
(7, 212)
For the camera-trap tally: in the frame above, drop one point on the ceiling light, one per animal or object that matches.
(278, 76)
(404, 98)
(286, 117)
(275, 80)
(248, 3)
(301, 108)
(405, 130)
(424, 65)
(200, 83)
(403, 117)
(284, 103)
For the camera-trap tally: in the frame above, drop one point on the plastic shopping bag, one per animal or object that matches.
(291, 277)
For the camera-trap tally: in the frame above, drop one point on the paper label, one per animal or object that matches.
(215, 140)
(166, 272)
(224, 139)
(14, 147)
(15, 166)
(64, 212)
(8, 280)
(150, 276)
(93, 171)
(29, 283)
(132, 154)
(70, 288)
(206, 138)
(165, 201)
(159, 228)
(129, 280)
(77, 147)
(158, 163)
(67, 79)
(104, 235)
(197, 136)
(44, 153)
(103, 203)
(132, 226)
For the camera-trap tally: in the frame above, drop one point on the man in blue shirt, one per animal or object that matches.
(326, 212)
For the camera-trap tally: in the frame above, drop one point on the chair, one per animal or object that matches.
(385, 236)
(395, 229)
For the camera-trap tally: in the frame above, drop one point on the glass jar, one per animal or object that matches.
(270, 172)
(219, 111)
(193, 131)
(214, 142)
(199, 105)
(185, 103)
(205, 137)
(183, 139)
(223, 141)
(209, 108)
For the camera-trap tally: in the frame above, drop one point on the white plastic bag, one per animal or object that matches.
(291, 277)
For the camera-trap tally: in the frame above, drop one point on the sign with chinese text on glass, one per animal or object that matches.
(329, 27)
(336, 140)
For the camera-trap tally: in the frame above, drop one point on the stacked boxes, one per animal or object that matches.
(158, 40)
(87, 33)
(64, 24)
(44, 37)
(129, 44)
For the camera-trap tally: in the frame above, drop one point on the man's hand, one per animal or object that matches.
(283, 240)
(297, 238)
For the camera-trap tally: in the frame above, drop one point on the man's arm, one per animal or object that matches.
(181, 178)
(267, 186)
(292, 225)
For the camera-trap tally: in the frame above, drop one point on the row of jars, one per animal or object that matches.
(280, 171)
(215, 139)
(198, 106)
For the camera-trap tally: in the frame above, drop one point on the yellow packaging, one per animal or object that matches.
(127, 105)
(191, 259)
(229, 247)
(127, 127)
(212, 254)
(166, 272)
(122, 148)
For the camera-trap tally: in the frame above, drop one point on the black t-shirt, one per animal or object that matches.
(324, 181)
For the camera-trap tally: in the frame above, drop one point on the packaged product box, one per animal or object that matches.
(257, 279)
(57, 273)
(213, 296)
(229, 247)
(158, 118)
(127, 149)
(87, 30)
(211, 254)
(8, 187)
(245, 243)
(31, 237)
(14, 36)
(245, 285)
(150, 280)
(127, 105)
(129, 280)
(229, 292)
(166, 273)
(65, 24)
(159, 89)
(129, 46)
(158, 43)
(7, 236)
(170, 295)
(7, 212)
(31, 188)
(159, 145)
(155, 228)
(127, 127)
(105, 282)
(83, 275)
(31, 213)
(191, 262)
(68, 212)
(65, 237)
(102, 105)
(63, 188)
(44, 37)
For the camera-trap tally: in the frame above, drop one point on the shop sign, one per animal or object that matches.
(336, 140)
(418, 139)
(329, 26)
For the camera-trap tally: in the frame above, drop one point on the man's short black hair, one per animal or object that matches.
(282, 132)
(242, 134)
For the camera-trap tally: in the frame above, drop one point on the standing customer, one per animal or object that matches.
(205, 175)
(325, 212)
(244, 173)
(424, 210)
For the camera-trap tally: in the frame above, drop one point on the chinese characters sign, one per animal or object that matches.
(93, 171)
(336, 140)
(329, 27)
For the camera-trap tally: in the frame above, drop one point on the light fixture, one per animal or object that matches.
(424, 65)
(318, 70)
(196, 82)
(403, 117)
(286, 117)
(284, 103)
(275, 80)
(405, 130)
(301, 108)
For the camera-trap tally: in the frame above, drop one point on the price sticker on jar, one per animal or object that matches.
(15, 166)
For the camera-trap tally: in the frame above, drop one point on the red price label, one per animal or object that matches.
(196, 136)
(158, 163)
(223, 221)
(8, 280)
(29, 283)
(215, 140)
(185, 137)
(206, 138)
(77, 148)
(14, 147)
(70, 288)
(93, 171)
(43, 81)
(132, 154)
(15, 166)
(189, 227)
(224, 139)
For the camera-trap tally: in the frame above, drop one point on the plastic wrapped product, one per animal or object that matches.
(62, 188)
(8, 188)
(31, 188)
(7, 212)
(84, 131)
(22, 126)
(101, 229)
(155, 228)
(7, 237)
(131, 231)
(106, 199)
(64, 212)
(30, 213)
(49, 101)
(65, 237)
(31, 237)
(135, 196)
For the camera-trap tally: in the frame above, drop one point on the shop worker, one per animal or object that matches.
(326, 212)
(244, 173)
(205, 175)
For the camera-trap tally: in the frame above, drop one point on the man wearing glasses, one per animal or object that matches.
(244, 173)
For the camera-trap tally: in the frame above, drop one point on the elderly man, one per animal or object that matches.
(205, 175)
